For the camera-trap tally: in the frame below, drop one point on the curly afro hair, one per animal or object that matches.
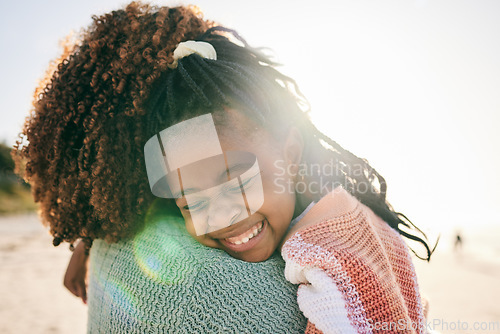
(82, 146)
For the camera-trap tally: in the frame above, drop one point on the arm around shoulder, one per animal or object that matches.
(355, 273)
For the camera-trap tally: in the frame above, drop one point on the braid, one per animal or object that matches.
(198, 65)
(192, 84)
(374, 197)
(245, 79)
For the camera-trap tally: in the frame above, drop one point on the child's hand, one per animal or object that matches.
(76, 274)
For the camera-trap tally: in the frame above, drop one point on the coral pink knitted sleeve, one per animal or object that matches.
(354, 270)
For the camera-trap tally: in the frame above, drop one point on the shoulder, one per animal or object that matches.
(339, 222)
(164, 280)
(335, 212)
(345, 251)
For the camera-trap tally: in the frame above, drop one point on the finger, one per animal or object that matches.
(71, 287)
(81, 291)
(84, 294)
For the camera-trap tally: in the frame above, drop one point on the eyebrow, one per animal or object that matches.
(222, 176)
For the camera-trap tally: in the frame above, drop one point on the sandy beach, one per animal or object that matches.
(463, 289)
(463, 292)
(34, 299)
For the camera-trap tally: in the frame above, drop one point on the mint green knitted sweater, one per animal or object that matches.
(163, 281)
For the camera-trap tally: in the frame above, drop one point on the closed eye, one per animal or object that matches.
(247, 183)
(195, 207)
(201, 205)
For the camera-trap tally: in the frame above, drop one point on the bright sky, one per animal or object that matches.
(413, 86)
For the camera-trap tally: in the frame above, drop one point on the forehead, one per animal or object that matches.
(236, 130)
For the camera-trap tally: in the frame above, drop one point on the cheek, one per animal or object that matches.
(279, 208)
(189, 223)
(278, 192)
(202, 239)
(190, 228)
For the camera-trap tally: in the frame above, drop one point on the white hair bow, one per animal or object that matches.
(184, 49)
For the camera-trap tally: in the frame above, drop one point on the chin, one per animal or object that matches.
(257, 255)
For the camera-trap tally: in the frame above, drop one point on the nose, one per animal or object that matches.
(223, 212)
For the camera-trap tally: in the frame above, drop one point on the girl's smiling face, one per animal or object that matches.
(257, 236)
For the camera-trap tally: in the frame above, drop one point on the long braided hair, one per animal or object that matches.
(246, 79)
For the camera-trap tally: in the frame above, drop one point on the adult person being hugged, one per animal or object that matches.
(83, 152)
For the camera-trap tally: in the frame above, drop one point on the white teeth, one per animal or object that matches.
(246, 238)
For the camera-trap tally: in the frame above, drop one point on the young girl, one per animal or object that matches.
(155, 101)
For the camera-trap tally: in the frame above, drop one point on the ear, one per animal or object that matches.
(294, 146)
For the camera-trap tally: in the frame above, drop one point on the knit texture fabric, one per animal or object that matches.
(354, 270)
(164, 281)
